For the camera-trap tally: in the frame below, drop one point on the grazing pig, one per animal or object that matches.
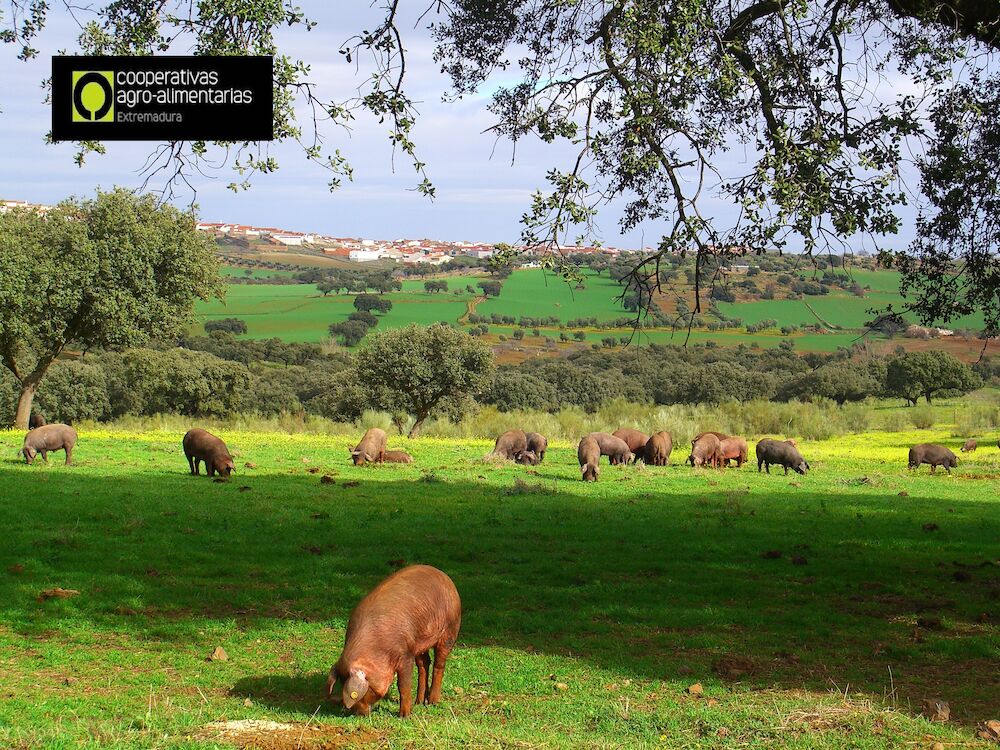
(635, 440)
(371, 449)
(657, 450)
(780, 453)
(36, 420)
(733, 449)
(970, 446)
(589, 454)
(935, 455)
(397, 457)
(510, 444)
(704, 450)
(201, 445)
(398, 623)
(527, 458)
(50, 437)
(614, 448)
(537, 444)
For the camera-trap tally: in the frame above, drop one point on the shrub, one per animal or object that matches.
(363, 316)
(235, 326)
(74, 391)
(369, 302)
(349, 332)
(922, 418)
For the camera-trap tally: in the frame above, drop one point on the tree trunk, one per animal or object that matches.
(415, 430)
(24, 401)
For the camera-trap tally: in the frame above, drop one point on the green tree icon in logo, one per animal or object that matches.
(93, 96)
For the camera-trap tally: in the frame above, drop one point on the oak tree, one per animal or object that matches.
(109, 272)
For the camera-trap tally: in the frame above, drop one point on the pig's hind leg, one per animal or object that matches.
(423, 669)
(441, 651)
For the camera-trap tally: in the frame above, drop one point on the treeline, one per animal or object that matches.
(213, 376)
(705, 374)
(220, 375)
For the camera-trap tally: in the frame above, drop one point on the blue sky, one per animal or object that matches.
(481, 194)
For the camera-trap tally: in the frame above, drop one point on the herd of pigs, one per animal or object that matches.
(627, 445)
(416, 609)
(623, 446)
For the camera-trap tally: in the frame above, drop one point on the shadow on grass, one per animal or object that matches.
(292, 693)
(775, 586)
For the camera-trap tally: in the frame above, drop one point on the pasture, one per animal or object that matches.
(814, 611)
(300, 313)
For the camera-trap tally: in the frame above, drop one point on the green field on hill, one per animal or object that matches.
(812, 611)
(300, 313)
(840, 310)
(536, 294)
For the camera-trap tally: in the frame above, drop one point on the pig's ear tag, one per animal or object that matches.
(354, 694)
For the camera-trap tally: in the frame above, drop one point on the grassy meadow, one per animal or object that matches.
(300, 313)
(814, 611)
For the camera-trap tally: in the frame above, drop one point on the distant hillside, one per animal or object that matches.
(539, 314)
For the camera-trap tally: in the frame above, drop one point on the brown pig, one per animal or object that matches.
(396, 624)
(704, 450)
(397, 457)
(635, 440)
(969, 446)
(614, 448)
(201, 445)
(50, 437)
(733, 449)
(657, 449)
(371, 449)
(537, 444)
(935, 455)
(511, 444)
(589, 453)
(36, 420)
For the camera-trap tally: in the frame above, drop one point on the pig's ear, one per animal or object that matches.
(332, 683)
(355, 688)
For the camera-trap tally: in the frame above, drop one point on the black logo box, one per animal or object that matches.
(228, 121)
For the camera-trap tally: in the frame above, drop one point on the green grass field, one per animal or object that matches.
(537, 294)
(299, 312)
(841, 310)
(588, 609)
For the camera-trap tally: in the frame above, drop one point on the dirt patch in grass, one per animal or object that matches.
(845, 717)
(256, 734)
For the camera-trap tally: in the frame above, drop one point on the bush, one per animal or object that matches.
(369, 302)
(73, 391)
(510, 390)
(235, 326)
(350, 332)
(922, 417)
(178, 381)
(363, 316)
